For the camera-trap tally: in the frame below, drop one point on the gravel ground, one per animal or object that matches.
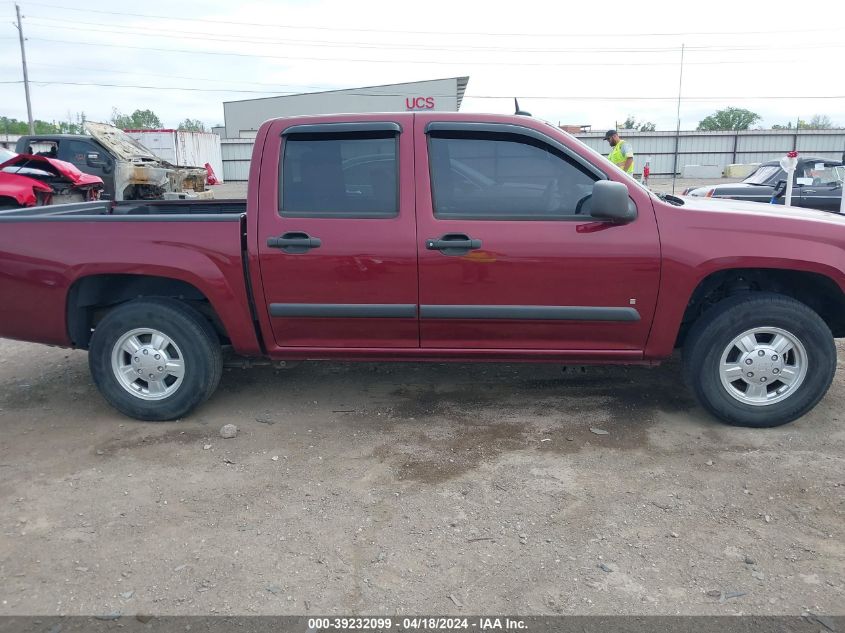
(407, 488)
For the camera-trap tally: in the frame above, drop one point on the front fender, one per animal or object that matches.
(678, 284)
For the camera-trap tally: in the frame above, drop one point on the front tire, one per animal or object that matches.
(155, 359)
(759, 360)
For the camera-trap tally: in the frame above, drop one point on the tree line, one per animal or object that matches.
(725, 119)
(737, 119)
(75, 123)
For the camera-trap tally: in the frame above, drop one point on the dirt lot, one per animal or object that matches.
(413, 488)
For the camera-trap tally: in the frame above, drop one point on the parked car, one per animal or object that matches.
(128, 169)
(28, 181)
(817, 184)
(433, 237)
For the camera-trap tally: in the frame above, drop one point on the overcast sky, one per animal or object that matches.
(579, 63)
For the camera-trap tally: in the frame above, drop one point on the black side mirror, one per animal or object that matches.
(780, 189)
(611, 202)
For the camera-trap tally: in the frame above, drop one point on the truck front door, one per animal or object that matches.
(509, 256)
(336, 234)
(89, 158)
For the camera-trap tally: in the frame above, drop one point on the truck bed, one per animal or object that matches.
(180, 207)
(45, 252)
(205, 208)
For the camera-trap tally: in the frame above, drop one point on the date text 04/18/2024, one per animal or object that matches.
(415, 624)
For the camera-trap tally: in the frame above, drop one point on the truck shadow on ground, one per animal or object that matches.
(423, 422)
(431, 423)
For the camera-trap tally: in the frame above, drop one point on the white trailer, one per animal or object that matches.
(183, 148)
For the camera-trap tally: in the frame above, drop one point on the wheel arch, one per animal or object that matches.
(817, 291)
(91, 297)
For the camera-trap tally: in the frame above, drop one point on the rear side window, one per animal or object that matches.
(483, 176)
(345, 175)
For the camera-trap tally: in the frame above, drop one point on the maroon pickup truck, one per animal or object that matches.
(433, 237)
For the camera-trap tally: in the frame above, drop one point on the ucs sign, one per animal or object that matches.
(419, 103)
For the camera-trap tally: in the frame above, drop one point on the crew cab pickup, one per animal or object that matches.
(433, 237)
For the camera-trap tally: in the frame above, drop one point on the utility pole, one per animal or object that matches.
(25, 74)
(678, 129)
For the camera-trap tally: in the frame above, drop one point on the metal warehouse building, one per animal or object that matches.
(243, 118)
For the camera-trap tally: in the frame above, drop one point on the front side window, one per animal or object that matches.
(344, 175)
(823, 174)
(487, 176)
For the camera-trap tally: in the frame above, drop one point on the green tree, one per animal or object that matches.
(816, 122)
(75, 124)
(729, 119)
(138, 120)
(631, 123)
(9, 125)
(14, 126)
(192, 125)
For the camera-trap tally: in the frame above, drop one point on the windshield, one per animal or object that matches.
(6, 154)
(764, 174)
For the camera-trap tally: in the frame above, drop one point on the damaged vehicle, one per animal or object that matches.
(129, 170)
(28, 180)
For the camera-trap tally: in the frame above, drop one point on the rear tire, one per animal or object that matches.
(759, 360)
(155, 359)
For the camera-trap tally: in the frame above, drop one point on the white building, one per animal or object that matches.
(243, 118)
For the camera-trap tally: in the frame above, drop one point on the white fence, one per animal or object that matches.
(721, 148)
(693, 148)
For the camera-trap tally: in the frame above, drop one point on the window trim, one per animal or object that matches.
(507, 130)
(343, 128)
(518, 130)
(389, 129)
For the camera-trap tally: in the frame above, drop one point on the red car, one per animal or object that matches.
(31, 180)
(433, 237)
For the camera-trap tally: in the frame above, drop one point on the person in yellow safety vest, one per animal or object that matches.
(621, 152)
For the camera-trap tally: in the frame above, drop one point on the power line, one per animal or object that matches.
(406, 32)
(411, 61)
(219, 37)
(402, 94)
(123, 71)
(323, 88)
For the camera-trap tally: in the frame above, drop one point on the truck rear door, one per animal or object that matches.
(509, 256)
(336, 233)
